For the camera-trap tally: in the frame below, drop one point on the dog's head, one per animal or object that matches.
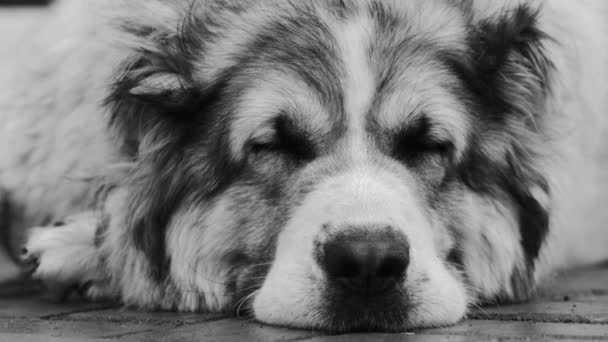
(339, 165)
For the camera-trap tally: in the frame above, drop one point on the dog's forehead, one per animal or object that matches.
(421, 87)
(332, 65)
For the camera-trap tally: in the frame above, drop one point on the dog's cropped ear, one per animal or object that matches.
(161, 109)
(155, 84)
(162, 87)
(507, 76)
(509, 61)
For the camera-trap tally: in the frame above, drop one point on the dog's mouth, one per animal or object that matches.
(382, 315)
(384, 312)
(352, 303)
(342, 313)
(381, 298)
(333, 309)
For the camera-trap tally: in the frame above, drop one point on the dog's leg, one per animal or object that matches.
(66, 257)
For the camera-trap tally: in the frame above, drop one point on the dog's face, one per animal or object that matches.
(340, 165)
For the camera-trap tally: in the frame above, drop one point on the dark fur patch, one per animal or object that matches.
(511, 182)
(6, 234)
(301, 44)
(505, 82)
(288, 141)
(503, 49)
(414, 142)
(101, 229)
(172, 123)
(190, 163)
(388, 22)
(506, 53)
(133, 115)
(514, 34)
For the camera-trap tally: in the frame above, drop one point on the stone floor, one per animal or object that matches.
(573, 307)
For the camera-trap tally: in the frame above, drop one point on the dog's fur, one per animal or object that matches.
(219, 143)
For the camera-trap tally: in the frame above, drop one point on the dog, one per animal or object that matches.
(341, 165)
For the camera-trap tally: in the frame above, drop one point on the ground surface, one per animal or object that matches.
(573, 307)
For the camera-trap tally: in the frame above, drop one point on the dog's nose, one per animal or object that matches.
(365, 261)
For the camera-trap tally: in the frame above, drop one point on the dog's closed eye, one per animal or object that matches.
(287, 141)
(412, 144)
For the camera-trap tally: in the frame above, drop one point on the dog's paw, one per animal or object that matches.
(64, 256)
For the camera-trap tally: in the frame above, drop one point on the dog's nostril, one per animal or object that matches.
(393, 266)
(346, 259)
(365, 261)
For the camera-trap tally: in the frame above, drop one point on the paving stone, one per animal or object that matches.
(397, 338)
(225, 331)
(564, 312)
(584, 282)
(72, 329)
(591, 298)
(38, 338)
(429, 338)
(42, 306)
(136, 316)
(19, 287)
(571, 295)
(577, 297)
(34, 318)
(525, 330)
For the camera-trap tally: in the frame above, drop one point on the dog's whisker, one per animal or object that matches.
(243, 301)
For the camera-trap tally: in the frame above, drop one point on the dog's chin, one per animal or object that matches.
(434, 298)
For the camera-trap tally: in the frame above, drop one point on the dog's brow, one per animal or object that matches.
(277, 94)
(421, 88)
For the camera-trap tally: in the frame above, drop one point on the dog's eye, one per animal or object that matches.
(413, 151)
(286, 141)
(415, 142)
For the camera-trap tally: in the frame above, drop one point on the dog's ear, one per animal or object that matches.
(514, 71)
(155, 84)
(507, 77)
(510, 68)
(161, 110)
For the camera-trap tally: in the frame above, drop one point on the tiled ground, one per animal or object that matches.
(574, 307)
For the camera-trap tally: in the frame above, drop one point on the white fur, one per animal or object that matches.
(66, 254)
(578, 162)
(52, 134)
(490, 277)
(354, 39)
(198, 268)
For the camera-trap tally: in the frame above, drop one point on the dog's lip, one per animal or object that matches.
(344, 326)
(375, 313)
(386, 312)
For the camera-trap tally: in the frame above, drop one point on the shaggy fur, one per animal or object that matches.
(225, 151)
